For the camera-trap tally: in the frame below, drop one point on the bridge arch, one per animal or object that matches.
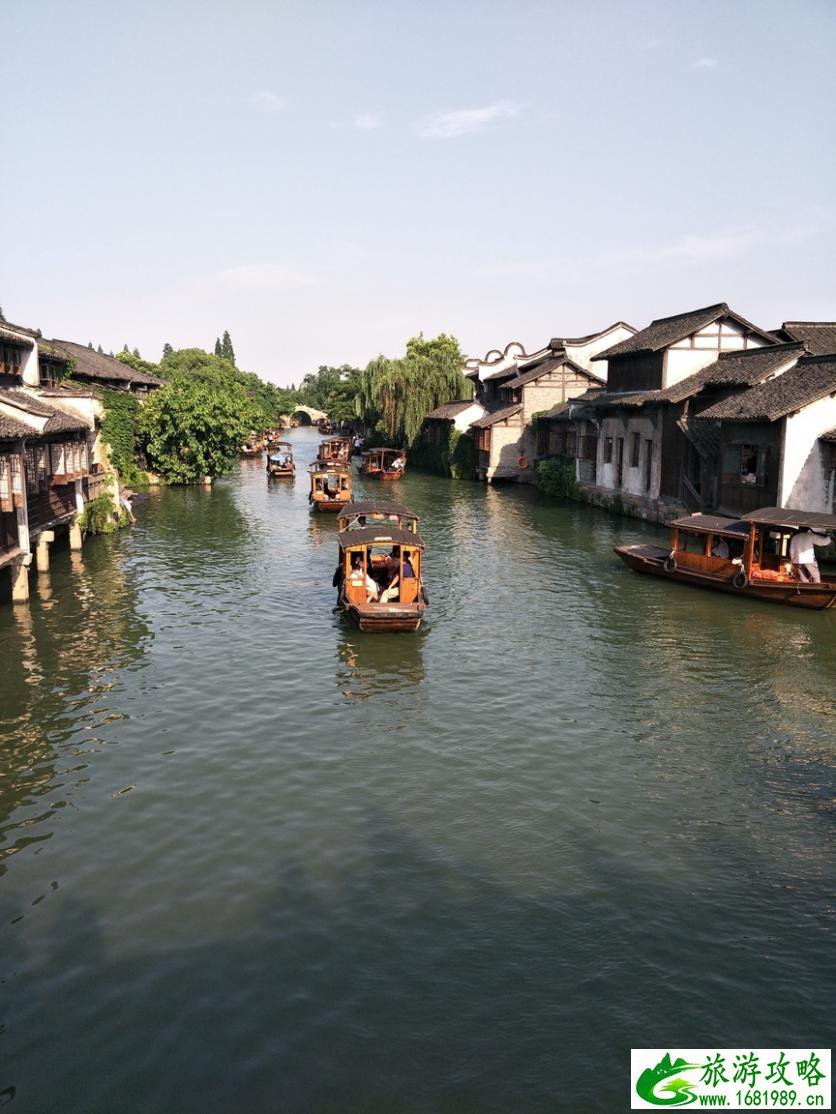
(307, 415)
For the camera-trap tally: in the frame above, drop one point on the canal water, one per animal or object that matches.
(252, 860)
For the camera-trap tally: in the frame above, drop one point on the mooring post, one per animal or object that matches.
(42, 550)
(75, 535)
(20, 578)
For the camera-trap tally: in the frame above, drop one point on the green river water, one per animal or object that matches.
(252, 860)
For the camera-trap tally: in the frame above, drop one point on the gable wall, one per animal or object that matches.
(803, 483)
(582, 353)
(702, 348)
(550, 389)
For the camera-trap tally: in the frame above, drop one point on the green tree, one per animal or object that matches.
(227, 351)
(193, 428)
(136, 353)
(89, 344)
(125, 348)
(218, 349)
(167, 349)
(396, 395)
(100, 350)
(2, 315)
(134, 360)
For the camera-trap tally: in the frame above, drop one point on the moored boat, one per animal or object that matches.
(252, 448)
(355, 516)
(379, 578)
(330, 485)
(383, 464)
(280, 460)
(335, 448)
(747, 556)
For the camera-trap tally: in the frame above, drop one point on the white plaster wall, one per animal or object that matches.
(802, 483)
(505, 449)
(582, 354)
(682, 362)
(632, 478)
(463, 421)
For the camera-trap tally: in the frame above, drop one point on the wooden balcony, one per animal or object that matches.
(97, 483)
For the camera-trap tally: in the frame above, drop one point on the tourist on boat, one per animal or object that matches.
(357, 578)
(397, 464)
(721, 549)
(803, 556)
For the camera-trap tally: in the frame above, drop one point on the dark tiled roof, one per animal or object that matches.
(740, 368)
(812, 378)
(58, 420)
(7, 334)
(451, 410)
(11, 429)
(546, 364)
(578, 407)
(668, 330)
(90, 364)
(36, 333)
(502, 373)
(829, 436)
(819, 336)
(496, 416)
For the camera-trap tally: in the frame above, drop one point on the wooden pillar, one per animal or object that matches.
(19, 570)
(75, 535)
(42, 550)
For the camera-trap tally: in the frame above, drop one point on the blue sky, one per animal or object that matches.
(327, 179)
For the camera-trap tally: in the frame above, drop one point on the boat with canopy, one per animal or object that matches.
(383, 464)
(280, 460)
(379, 578)
(355, 516)
(749, 556)
(330, 485)
(335, 448)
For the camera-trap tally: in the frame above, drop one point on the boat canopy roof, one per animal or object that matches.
(792, 520)
(384, 452)
(379, 535)
(336, 441)
(378, 506)
(713, 524)
(330, 466)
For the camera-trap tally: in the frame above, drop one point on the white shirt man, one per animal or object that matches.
(803, 555)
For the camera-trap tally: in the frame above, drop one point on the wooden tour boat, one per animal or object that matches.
(280, 460)
(252, 448)
(335, 448)
(371, 589)
(330, 485)
(354, 516)
(383, 464)
(747, 556)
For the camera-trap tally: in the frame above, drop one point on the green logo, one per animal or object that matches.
(678, 1092)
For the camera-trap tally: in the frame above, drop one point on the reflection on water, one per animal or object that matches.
(274, 863)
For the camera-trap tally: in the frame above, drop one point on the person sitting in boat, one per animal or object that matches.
(803, 555)
(359, 579)
(403, 569)
(329, 487)
(397, 464)
(721, 549)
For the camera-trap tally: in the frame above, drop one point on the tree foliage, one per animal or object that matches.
(396, 395)
(227, 351)
(119, 430)
(195, 426)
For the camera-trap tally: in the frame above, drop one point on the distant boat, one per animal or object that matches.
(254, 447)
(280, 460)
(330, 485)
(747, 556)
(383, 464)
(379, 578)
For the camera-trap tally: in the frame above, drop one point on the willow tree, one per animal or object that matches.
(397, 395)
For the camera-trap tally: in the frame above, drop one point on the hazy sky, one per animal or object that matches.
(327, 179)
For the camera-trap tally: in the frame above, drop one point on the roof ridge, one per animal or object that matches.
(736, 353)
(721, 307)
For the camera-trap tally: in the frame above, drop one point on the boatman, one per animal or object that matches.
(803, 556)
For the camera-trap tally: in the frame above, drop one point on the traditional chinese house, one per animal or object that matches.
(513, 387)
